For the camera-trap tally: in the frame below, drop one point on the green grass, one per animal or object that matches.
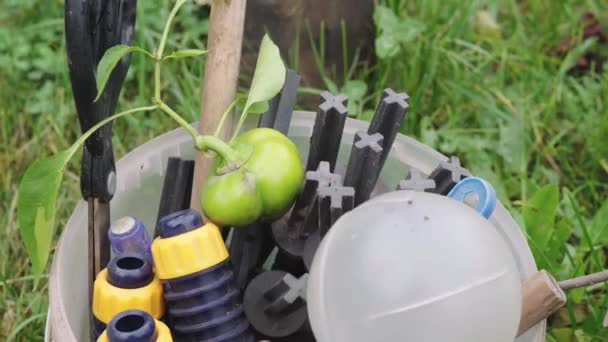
(506, 106)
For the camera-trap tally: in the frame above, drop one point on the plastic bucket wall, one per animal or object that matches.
(139, 185)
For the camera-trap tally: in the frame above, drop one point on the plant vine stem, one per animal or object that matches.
(157, 79)
(240, 123)
(185, 125)
(217, 145)
(97, 126)
(202, 142)
(163, 39)
(158, 56)
(223, 119)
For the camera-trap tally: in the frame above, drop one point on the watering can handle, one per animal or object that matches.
(486, 196)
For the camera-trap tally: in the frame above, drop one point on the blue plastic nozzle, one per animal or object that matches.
(127, 283)
(135, 326)
(128, 234)
(132, 326)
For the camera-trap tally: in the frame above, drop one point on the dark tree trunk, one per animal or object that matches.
(292, 24)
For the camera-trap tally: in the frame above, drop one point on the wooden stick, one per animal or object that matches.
(221, 75)
(584, 281)
(541, 297)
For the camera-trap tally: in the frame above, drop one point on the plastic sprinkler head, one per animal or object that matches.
(192, 262)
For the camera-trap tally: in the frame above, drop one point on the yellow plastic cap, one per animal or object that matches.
(109, 300)
(162, 331)
(188, 253)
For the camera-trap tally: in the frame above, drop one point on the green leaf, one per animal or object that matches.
(562, 334)
(599, 226)
(109, 61)
(386, 47)
(385, 19)
(256, 108)
(355, 90)
(185, 53)
(36, 206)
(38, 191)
(574, 267)
(512, 144)
(269, 75)
(539, 215)
(553, 255)
(393, 31)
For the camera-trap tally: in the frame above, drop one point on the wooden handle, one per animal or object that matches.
(221, 75)
(541, 297)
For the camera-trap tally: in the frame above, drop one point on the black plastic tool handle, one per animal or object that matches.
(92, 27)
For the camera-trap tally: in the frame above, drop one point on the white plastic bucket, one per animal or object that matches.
(139, 185)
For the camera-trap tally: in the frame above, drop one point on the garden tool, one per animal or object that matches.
(135, 325)
(543, 296)
(91, 28)
(191, 261)
(129, 235)
(127, 283)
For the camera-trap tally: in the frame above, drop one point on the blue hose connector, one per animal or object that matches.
(135, 326)
(127, 283)
(128, 234)
(192, 263)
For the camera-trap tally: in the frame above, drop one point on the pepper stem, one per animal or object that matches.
(217, 145)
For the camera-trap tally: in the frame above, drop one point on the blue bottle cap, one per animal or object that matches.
(132, 326)
(130, 271)
(179, 222)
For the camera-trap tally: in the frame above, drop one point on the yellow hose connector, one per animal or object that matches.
(109, 300)
(188, 253)
(163, 334)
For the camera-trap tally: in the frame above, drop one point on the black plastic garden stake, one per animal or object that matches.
(291, 233)
(248, 249)
(447, 174)
(314, 179)
(327, 132)
(364, 165)
(275, 304)
(177, 188)
(334, 201)
(387, 120)
(280, 108)
(417, 182)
